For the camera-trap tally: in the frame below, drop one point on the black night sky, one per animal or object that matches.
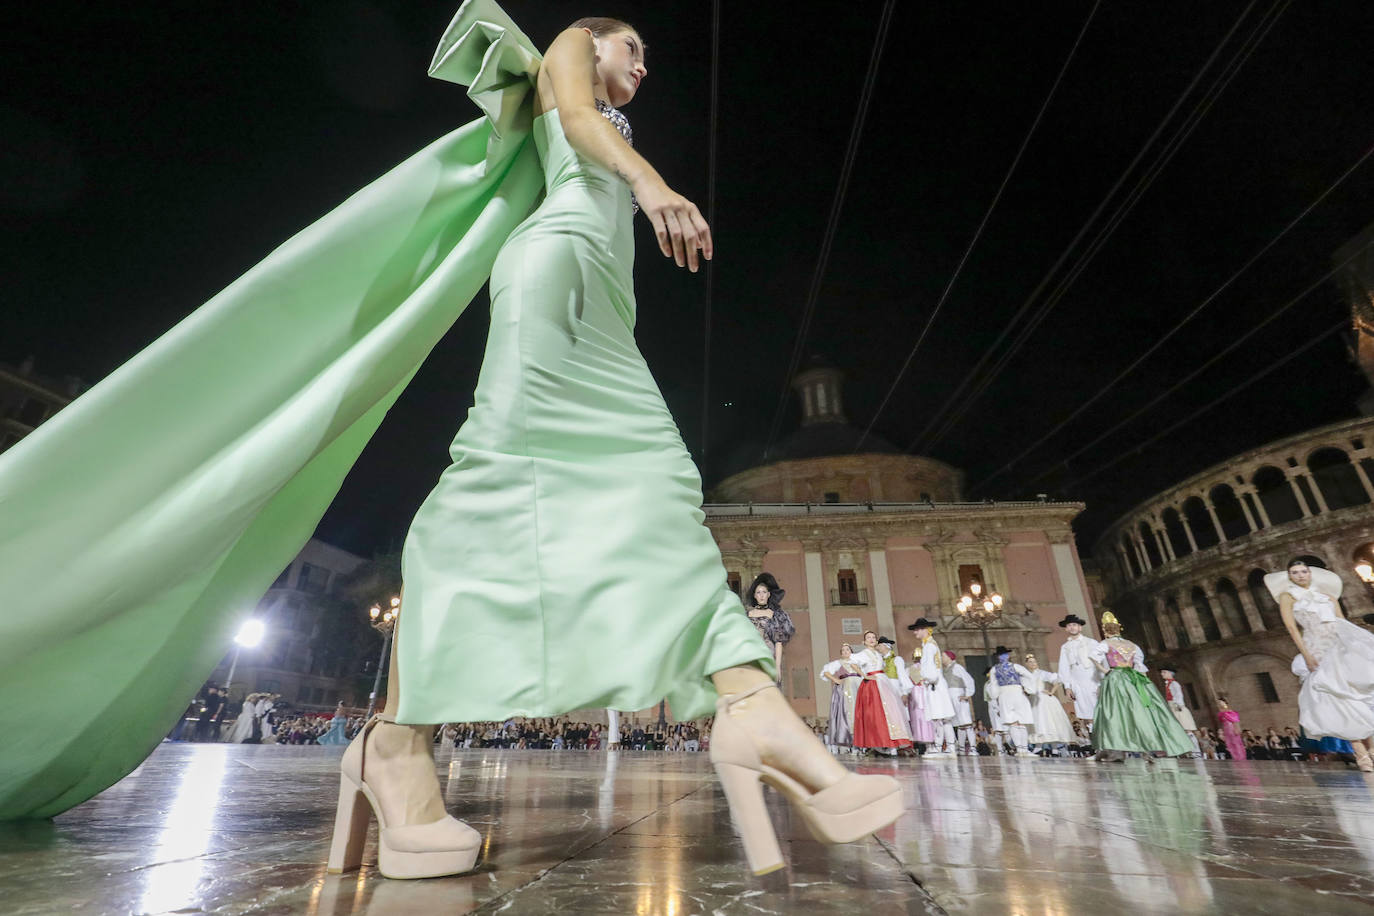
(153, 153)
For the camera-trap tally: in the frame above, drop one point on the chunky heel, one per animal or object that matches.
(845, 812)
(350, 828)
(443, 847)
(744, 793)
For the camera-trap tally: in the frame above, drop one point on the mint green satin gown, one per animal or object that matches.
(570, 521)
(141, 525)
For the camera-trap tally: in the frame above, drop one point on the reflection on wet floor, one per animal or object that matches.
(243, 829)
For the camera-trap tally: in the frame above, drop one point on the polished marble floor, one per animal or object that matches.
(241, 829)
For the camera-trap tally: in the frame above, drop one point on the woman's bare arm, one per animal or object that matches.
(568, 74)
(1294, 631)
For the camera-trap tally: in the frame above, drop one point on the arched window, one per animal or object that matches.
(1229, 512)
(1335, 476)
(1276, 495)
(1268, 607)
(1173, 530)
(1174, 621)
(1210, 631)
(1128, 551)
(1204, 532)
(1231, 610)
(1147, 536)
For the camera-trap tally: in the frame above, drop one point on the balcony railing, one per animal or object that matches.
(841, 597)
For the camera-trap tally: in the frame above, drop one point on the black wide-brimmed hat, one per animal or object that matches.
(923, 624)
(1000, 650)
(1073, 618)
(886, 639)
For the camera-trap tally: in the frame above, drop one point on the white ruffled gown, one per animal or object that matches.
(1335, 700)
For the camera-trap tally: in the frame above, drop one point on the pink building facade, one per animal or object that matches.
(848, 568)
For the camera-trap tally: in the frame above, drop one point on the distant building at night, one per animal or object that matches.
(874, 539)
(27, 399)
(316, 646)
(1184, 569)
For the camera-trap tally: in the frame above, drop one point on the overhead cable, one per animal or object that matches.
(1230, 392)
(977, 234)
(1012, 324)
(1168, 335)
(1225, 351)
(710, 221)
(836, 205)
(1161, 161)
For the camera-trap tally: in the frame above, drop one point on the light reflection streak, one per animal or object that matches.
(186, 834)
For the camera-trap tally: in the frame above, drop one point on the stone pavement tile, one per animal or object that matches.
(975, 890)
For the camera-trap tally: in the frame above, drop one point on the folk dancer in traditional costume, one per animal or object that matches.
(1131, 715)
(1050, 726)
(1178, 705)
(1009, 683)
(841, 672)
(880, 717)
(997, 742)
(1337, 697)
(1078, 674)
(929, 677)
(961, 689)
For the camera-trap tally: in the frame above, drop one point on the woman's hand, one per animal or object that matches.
(1311, 662)
(678, 224)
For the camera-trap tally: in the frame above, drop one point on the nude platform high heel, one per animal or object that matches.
(443, 847)
(846, 812)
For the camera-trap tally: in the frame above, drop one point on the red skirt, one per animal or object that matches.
(870, 724)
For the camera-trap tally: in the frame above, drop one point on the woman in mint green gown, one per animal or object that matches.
(145, 518)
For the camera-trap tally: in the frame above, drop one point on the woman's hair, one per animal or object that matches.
(866, 632)
(1222, 697)
(603, 25)
(1296, 561)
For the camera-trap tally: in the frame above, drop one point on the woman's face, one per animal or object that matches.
(1031, 663)
(620, 65)
(1301, 574)
(845, 651)
(871, 640)
(761, 594)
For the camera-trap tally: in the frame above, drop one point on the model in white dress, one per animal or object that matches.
(243, 725)
(939, 703)
(1336, 697)
(1049, 723)
(1080, 677)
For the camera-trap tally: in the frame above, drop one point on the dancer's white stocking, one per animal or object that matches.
(1020, 739)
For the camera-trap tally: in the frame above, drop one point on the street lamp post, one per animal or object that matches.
(383, 622)
(982, 611)
(249, 636)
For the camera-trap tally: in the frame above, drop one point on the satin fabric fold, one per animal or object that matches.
(1132, 716)
(144, 521)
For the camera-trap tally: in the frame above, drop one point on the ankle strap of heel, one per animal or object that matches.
(730, 699)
